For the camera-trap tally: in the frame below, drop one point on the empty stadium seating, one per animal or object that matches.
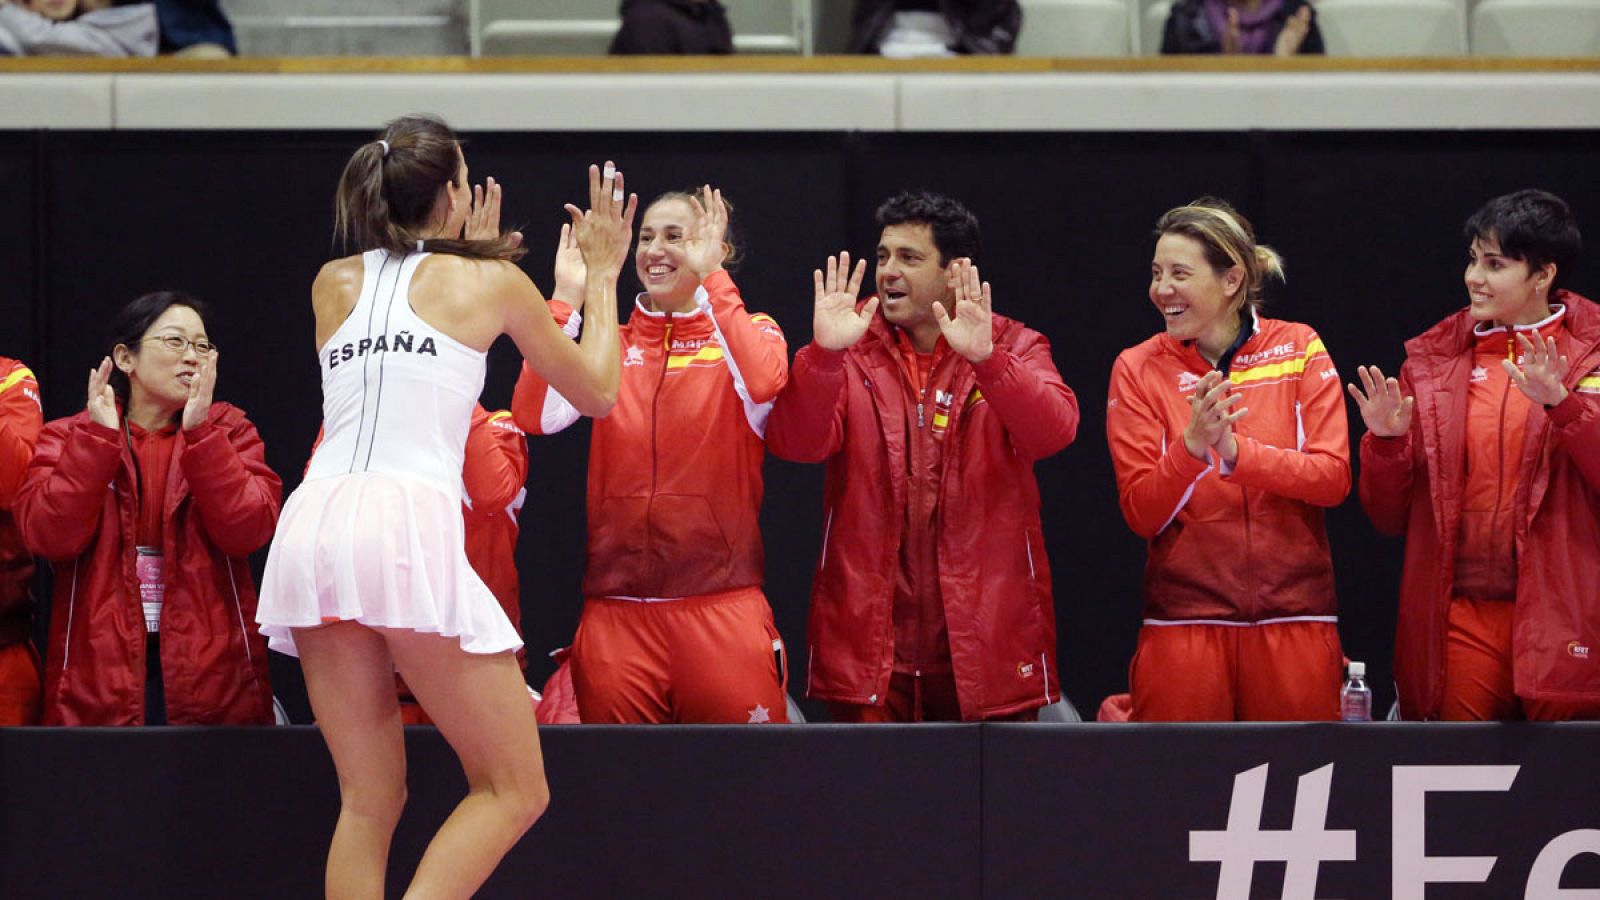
(1536, 28)
(1393, 27)
(1074, 28)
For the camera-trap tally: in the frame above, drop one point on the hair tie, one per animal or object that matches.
(384, 145)
(419, 247)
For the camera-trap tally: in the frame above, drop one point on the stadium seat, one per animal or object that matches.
(1151, 16)
(1393, 27)
(365, 28)
(524, 28)
(770, 26)
(1536, 28)
(1074, 28)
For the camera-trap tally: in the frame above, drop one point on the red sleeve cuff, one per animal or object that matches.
(1567, 411)
(990, 369)
(824, 360)
(199, 432)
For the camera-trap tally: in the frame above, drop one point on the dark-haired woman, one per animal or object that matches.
(1229, 438)
(675, 626)
(368, 573)
(152, 620)
(1485, 454)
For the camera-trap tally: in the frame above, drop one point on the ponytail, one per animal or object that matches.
(391, 185)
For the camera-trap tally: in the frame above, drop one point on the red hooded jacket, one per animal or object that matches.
(76, 510)
(855, 411)
(20, 422)
(1413, 485)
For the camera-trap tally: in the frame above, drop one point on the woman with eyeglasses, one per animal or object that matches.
(148, 504)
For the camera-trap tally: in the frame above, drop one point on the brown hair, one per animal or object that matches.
(1227, 239)
(729, 245)
(390, 185)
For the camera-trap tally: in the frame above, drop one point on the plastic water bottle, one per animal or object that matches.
(1355, 698)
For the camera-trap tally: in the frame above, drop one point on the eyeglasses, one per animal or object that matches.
(177, 343)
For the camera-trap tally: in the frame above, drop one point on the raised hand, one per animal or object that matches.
(198, 406)
(1232, 39)
(569, 269)
(970, 330)
(1294, 32)
(703, 246)
(483, 222)
(1211, 417)
(1385, 412)
(1542, 371)
(102, 399)
(836, 323)
(605, 230)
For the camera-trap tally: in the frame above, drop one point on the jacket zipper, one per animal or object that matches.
(655, 437)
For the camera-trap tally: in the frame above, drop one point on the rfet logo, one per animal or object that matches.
(1577, 649)
(1024, 670)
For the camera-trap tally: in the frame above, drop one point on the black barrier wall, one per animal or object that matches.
(937, 811)
(1369, 223)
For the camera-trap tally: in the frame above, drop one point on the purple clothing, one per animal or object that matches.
(1258, 30)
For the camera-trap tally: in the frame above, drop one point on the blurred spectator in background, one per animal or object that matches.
(1276, 27)
(667, 27)
(21, 678)
(919, 28)
(74, 28)
(195, 28)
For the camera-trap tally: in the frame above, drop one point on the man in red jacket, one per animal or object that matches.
(932, 598)
(21, 418)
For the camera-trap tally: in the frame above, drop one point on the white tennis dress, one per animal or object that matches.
(374, 534)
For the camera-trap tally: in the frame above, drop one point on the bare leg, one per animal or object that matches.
(480, 704)
(350, 678)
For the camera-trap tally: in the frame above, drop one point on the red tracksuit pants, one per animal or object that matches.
(714, 658)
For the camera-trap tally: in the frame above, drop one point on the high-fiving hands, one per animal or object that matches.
(604, 231)
(969, 327)
(569, 269)
(483, 222)
(836, 323)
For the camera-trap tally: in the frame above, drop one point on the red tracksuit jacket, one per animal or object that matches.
(1248, 546)
(21, 419)
(1413, 484)
(675, 469)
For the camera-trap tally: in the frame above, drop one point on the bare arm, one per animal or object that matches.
(589, 373)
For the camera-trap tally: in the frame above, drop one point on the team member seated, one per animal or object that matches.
(153, 616)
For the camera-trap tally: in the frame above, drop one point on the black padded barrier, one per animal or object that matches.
(1369, 223)
(805, 811)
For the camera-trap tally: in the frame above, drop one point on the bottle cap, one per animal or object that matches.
(1358, 669)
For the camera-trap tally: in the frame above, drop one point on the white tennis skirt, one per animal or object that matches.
(380, 550)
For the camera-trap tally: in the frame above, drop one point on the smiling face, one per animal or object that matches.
(660, 259)
(159, 377)
(1197, 302)
(1502, 289)
(910, 277)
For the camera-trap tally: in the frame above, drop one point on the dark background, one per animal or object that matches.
(1369, 223)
